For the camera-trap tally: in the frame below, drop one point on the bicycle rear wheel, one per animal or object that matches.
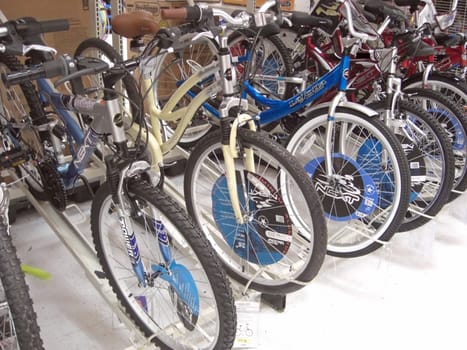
(447, 84)
(282, 242)
(187, 302)
(366, 198)
(171, 70)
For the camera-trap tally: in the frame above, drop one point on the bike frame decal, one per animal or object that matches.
(82, 156)
(132, 250)
(163, 240)
(280, 109)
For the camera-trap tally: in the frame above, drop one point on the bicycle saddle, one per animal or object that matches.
(448, 40)
(412, 3)
(381, 10)
(408, 46)
(304, 19)
(135, 24)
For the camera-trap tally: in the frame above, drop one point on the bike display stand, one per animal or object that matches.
(277, 302)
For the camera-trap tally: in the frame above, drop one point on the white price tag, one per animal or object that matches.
(247, 324)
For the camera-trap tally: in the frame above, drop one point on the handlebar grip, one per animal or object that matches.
(33, 28)
(175, 13)
(189, 13)
(49, 69)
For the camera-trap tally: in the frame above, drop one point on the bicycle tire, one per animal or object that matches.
(16, 304)
(454, 121)
(280, 206)
(216, 296)
(431, 164)
(34, 115)
(365, 189)
(447, 84)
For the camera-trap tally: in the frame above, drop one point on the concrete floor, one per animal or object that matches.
(409, 294)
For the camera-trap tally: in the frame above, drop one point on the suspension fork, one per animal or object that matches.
(331, 132)
(116, 178)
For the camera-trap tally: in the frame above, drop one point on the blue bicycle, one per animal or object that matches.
(358, 165)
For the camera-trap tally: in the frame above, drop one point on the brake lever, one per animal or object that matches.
(37, 47)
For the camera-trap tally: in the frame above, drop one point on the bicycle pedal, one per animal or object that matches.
(175, 168)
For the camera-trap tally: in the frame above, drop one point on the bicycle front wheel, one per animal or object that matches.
(281, 243)
(17, 316)
(454, 121)
(431, 161)
(185, 298)
(366, 197)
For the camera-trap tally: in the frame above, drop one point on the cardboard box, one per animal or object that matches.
(78, 12)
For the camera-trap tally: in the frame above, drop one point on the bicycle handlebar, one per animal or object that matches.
(27, 30)
(198, 14)
(359, 35)
(189, 13)
(34, 28)
(50, 69)
(62, 66)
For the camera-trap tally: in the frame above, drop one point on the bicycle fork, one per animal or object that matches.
(231, 108)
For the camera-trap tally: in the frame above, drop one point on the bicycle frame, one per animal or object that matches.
(158, 148)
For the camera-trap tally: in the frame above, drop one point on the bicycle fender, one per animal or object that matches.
(347, 104)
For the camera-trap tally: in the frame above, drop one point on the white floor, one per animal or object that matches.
(409, 294)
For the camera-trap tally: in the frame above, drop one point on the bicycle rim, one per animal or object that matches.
(365, 200)
(278, 242)
(156, 307)
(453, 121)
(429, 153)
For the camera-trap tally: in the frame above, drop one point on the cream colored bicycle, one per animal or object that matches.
(252, 199)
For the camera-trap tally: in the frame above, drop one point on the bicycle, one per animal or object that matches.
(162, 269)
(278, 109)
(291, 253)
